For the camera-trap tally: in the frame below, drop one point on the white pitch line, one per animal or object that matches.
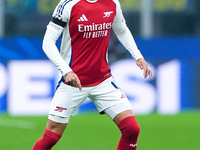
(17, 124)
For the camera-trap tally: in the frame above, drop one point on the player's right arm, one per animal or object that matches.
(53, 32)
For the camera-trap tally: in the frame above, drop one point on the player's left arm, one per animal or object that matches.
(125, 37)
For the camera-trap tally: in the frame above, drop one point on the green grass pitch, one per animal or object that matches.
(95, 132)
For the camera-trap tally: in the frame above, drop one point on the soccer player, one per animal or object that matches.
(82, 61)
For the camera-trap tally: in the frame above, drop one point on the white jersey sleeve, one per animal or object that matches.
(123, 33)
(49, 46)
(53, 32)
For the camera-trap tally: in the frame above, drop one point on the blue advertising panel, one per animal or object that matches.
(28, 79)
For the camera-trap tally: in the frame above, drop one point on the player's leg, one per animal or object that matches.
(51, 136)
(56, 127)
(65, 102)
(111, 100)
(129, 128)
(123, 116)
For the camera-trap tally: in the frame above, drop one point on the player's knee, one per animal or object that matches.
(131, 132)
(129, 128)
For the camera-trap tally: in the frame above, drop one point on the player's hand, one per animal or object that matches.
(72, 79)
(141, 63)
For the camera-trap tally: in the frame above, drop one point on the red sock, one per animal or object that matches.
(47, 141)
(130, 130)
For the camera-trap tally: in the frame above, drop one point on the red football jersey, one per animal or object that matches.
(86, 29)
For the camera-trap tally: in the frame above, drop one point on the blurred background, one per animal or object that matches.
(166, 31)
(168, 34)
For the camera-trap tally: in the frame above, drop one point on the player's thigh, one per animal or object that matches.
(110, 99)
(65, 102)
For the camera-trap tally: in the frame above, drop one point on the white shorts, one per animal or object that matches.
(107, 97)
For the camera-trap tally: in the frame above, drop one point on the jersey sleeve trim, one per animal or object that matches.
(61, 7)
